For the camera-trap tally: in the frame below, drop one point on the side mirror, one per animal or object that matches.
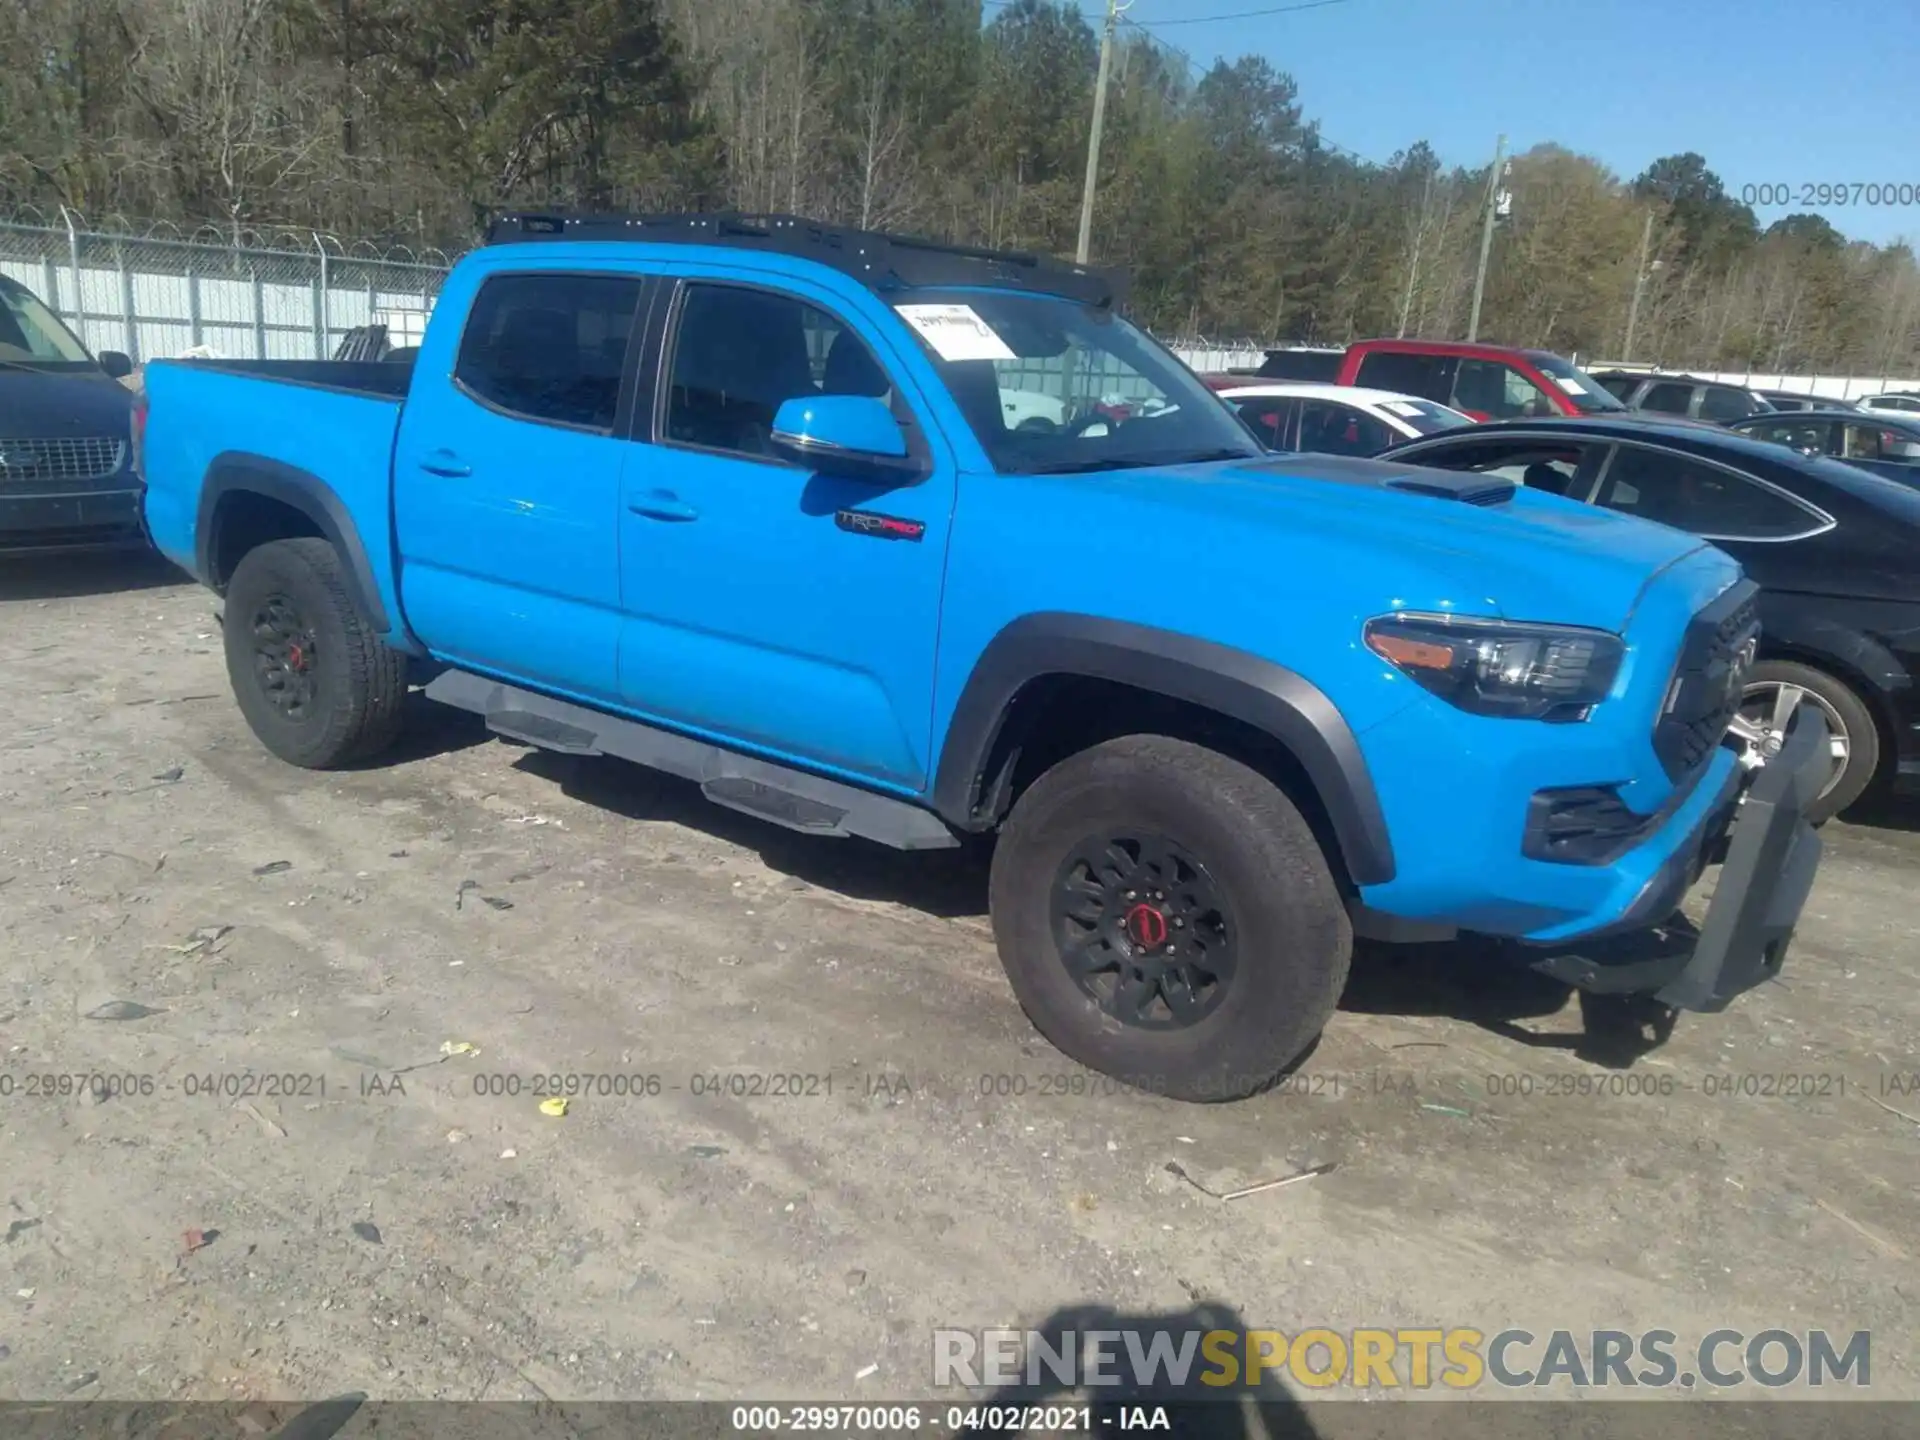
(116, 365)
(852, 435)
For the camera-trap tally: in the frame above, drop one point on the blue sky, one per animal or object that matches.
(1783, 92)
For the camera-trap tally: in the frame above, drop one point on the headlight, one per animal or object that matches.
(1491, 667)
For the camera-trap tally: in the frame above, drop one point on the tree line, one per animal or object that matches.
(414, 120)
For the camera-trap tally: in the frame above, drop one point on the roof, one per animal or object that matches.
(1323, 390)
(1449, 347)
(881, 261)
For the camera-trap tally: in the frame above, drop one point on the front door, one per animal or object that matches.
(506, 480)
(759, 607)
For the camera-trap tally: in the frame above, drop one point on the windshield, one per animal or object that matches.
(1051, 387)
(32, 334)
(1425, 417)
(1586, 392)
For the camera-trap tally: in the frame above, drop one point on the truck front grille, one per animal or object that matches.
(90, 457)
(1704, 692)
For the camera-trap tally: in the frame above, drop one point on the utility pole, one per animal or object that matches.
(1486, 237)
(1639, 281)
(1093, 140)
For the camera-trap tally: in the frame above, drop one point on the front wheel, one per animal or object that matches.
(1775, 691)
(316, 684)
(1166, 916)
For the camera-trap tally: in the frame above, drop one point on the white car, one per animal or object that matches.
(1901, 402)
(1336, 419)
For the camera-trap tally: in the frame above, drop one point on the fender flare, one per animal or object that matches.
(1257, 692)
(236, 472)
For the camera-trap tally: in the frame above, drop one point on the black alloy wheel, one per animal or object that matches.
(285, 654)
(1144, 930)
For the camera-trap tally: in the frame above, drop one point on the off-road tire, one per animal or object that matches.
(359, 685)
(1291, 934)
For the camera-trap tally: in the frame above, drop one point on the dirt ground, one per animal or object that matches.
(405, 1234)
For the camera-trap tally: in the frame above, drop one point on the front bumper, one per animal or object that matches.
(76, 519)
(1768, 855)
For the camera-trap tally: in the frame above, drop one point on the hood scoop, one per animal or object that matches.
(1445, 485)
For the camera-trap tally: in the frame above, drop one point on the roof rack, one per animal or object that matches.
(884, 262)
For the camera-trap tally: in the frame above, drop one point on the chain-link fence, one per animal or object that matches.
(157, 292)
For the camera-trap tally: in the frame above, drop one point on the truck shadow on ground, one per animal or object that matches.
(62, 577)
(1238, 1412)
(1485, 983)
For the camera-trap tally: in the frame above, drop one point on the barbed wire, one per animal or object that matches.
(289, 241)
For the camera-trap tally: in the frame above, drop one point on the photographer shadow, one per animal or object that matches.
(1194, 1411)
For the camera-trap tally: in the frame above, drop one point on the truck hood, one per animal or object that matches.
(1529, 556)
(49, 404)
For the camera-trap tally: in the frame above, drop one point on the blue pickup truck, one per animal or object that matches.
(774, 506)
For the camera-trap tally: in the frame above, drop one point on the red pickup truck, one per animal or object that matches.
(1488, 382)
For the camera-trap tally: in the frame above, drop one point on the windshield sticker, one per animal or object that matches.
(1572, 387)
(956, 332)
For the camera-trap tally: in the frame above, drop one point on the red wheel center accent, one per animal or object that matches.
(296, 658)
(1146, 927)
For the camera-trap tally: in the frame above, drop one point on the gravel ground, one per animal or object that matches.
(930, 1162)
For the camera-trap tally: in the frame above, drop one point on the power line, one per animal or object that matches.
(1243, 14)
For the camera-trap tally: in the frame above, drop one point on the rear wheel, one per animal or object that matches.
(1775, 691)
(315, 683)
(1166, 916)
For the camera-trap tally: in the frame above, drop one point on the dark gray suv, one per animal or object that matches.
(1686, 395)
(66, 456)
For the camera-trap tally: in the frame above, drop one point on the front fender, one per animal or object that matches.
(1229, 682)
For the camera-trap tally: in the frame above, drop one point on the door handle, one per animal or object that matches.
(663, 505)
(445, 462)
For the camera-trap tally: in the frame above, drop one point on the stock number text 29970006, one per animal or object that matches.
(1831, 194)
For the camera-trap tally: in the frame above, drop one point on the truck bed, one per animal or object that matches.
(385, 379)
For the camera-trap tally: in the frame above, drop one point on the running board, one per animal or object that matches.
(811, 804)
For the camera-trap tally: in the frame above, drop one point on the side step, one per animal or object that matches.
(800, 801)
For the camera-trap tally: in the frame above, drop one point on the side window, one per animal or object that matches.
(1559, 470)
(1329, 428)
(1267, 416)
(1428, 376)
(1808, 439)
(550, 348)
(1723, 402)
(1668, 398)
(1487, 387)
(1621, 387)
(1863, 442)
(739, 355)
(1659, 485)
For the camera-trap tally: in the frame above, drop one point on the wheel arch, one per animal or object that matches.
(1007, 704)
(1854, 667)
(251, 500)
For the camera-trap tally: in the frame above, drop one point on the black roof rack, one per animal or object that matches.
(885, 262)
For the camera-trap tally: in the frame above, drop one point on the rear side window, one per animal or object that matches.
(1428, 376)
(1486, 387)
(1704, 499)
(550, 348)
(1723, 402)
(1667, 398)
(1267, 416)
(1329, 428)
(740, 354)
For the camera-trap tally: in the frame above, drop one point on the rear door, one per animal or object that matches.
(763, 604)
(507, 476)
